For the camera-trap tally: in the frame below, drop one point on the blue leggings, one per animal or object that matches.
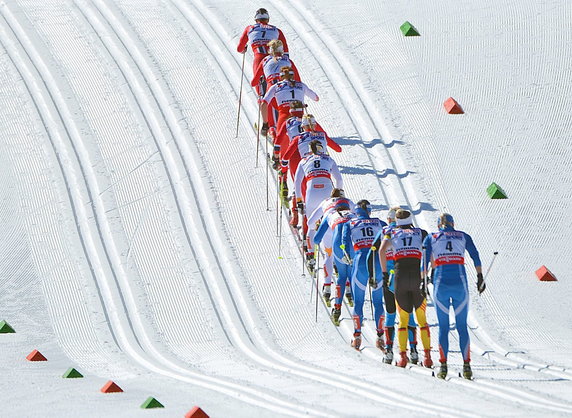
(344, 273)
(359, 282)
(456, 295)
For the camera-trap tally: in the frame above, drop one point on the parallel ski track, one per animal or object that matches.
(510, 394)
(344, 75)
(157, 111)
(196, 20)
(65, 140)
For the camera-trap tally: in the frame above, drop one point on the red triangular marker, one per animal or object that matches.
(452, 107)
(196, 412)
(111, 387)
(545, 275)
(36, 356)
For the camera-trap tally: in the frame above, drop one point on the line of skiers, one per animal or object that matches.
(393, 258)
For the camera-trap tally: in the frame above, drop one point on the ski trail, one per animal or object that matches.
(341, 75)
(49, 95)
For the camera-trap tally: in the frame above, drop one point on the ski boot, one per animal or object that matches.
(442, 371)
(335, 316)
(467, 372)
(350, 299)
(311, 263)
(403, 360)
(283, 189)
(379, 343)
(356, 342)
(294, 210)
(326, 294)
(388, 357)
(414, 354)
(264, 129)
(428, 362)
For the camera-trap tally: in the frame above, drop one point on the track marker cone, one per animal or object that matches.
(111, 387)
(36, 356)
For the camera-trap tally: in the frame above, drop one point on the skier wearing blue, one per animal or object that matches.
(334, 221)
(446, 251)
(320, 216)
(357, 237)
(389, 294)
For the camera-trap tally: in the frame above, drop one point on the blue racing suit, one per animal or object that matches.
(357, 237)
(446, 250)
(335, 221)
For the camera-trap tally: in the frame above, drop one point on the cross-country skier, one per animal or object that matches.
(280, 95)
(299, 146)
(407, 243)
(389, 295)
(326, 216)
(258, 36)
(270, 65)
(357, 237)
(321, 174)
(335, 221)
(446, 251)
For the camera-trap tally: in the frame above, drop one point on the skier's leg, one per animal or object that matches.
(460, 299)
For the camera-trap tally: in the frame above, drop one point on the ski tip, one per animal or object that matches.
(280, 258)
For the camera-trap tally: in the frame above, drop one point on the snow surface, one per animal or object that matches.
(140, 240)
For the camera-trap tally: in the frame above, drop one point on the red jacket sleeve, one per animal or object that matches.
(259, 72)
(293, 146)
(296, 73)
(329, 141)
(283, 39)
(243, 40)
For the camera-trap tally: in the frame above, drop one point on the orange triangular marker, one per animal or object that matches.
(545, 275)
(452, 107)
(111, 387)
(196, 412)
(36, 356)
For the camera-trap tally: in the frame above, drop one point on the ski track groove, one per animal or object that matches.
(209, 37)
(50, 101)
(162, 103)
(347, 73)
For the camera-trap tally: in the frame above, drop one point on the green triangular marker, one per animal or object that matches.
(495, 192)
(72, 373)
(151, 402)
(5, 328)
(408, 29)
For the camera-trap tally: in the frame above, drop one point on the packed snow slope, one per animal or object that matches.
(141, 243)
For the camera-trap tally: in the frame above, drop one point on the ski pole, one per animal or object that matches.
(280, 236)
(490, 265)
(489, 269)
(240, 94)
(267, 167)
(257, 135)
(343, 247)
(375, 281)
(317, 274)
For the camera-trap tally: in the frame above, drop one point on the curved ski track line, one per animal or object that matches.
(159, 92)
(197, 19)
(347, 73)
(53, 110)
(185, 212)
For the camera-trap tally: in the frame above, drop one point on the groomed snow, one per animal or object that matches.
(140, 240)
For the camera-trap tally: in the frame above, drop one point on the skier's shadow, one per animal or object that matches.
(357, 140)
(362, 170)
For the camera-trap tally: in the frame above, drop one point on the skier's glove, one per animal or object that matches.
(385, 280)
(423, 289)
(373, 283)
(300, 206)
(481, 286)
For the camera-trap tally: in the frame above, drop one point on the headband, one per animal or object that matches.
(406, 221)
